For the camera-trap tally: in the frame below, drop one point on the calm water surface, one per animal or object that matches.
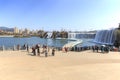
(11, 41)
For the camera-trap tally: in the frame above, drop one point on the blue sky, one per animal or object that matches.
(75, 15)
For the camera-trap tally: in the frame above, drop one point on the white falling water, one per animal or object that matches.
(71, 35)
(81, 35)
(105, 36)
(49, 35)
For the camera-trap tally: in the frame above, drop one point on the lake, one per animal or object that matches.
(11, 41)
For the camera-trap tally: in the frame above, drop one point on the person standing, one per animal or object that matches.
(24, 46)
(38, 50)
(96, 48)
(53, 51)
(33, 51)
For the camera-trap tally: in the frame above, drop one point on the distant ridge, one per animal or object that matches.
(6, 28)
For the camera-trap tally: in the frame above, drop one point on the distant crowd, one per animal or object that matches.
(40, 50)
(94, 48)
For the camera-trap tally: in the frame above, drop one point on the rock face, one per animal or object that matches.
(42, 34)
(54, 34)
(62, 34)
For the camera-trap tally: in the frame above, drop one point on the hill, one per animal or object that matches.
(6, 28)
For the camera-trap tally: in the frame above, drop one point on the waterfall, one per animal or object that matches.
(49, 34)
(105, 36)
(71, 35)
(81, 35)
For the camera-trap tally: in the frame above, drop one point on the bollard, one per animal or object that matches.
(74, 48)
(14, 48)
(46, 53)
(3, 48)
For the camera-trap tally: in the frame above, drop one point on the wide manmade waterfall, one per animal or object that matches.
(107, 36)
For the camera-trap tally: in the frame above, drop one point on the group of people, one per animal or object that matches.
(45, 50)
(76, 48)
(102, 48)
(65, 49)
(37, 49)
(24, 47)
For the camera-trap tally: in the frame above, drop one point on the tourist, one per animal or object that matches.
(24, 46)
(107, 49)
(53, 51)
(38, 50)
(103, 48)
(33, 51)
(96, 48)
(66, 49)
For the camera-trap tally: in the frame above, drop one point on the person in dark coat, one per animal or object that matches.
(24, 46)
(96, 48)
(93, 48)
(33, 51)
(38, 50)
(53, 51)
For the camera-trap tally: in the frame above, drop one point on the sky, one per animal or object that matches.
(72, 15)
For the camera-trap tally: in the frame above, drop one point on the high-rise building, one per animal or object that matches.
(16, 30)
(27, 31)
(20, 31)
